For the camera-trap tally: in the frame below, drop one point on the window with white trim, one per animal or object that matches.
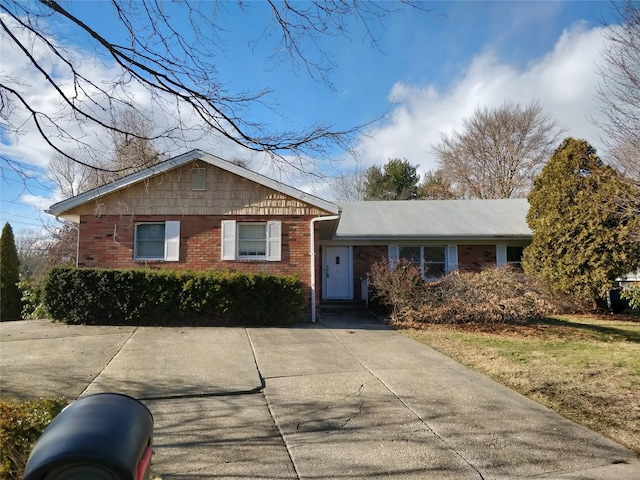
(514, 255)
(433, 260)
(509, 255)
(251, 240)
(412, 255)
(157, 241)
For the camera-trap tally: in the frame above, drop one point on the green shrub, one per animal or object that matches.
(632, 294)
(96, 296)
(32, 306)
(21, 424)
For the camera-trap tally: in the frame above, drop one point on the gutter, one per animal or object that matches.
(313, 261)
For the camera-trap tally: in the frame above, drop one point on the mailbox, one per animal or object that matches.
(106, 436)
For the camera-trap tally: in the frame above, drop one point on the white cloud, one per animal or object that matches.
(23, 143)
(564, 82)
(36, 201)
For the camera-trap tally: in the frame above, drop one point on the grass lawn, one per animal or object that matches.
(586, 369)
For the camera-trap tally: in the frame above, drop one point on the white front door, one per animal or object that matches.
(336, 270)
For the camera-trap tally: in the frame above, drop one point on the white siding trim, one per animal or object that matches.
(172, 241)
(393, 254)
(274, 241)
(451, 258)
(228, 239)
(501, 255)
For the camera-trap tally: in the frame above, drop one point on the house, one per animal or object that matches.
(197, 211)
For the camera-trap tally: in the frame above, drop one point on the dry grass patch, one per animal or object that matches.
(587, 369)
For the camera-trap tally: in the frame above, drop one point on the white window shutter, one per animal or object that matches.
(274, 241)
(393, 254)
(228, 239)
(501, 255)
(172, 241)
(452, 258)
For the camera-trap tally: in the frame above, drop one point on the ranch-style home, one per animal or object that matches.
(197, 211)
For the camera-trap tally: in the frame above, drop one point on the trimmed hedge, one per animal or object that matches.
(121, 297)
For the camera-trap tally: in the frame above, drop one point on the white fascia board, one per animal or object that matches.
(439, 238)
(70, 203)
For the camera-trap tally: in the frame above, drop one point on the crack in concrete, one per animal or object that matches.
(357, 394)
(408, 407)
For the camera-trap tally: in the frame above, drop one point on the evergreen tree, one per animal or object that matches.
(437, 187)
(9, 275)
(582, 233)
(398, 180)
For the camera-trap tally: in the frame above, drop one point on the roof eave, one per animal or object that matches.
(403, 238)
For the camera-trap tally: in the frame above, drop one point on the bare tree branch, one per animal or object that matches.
(499, 152)
(177, 71)
(619, 89)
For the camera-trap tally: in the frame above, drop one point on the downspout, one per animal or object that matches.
(313, 262)
(73, 226)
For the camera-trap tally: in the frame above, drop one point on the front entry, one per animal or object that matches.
(336, 271)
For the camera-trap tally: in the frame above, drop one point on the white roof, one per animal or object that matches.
(434, 219)
(174, 162)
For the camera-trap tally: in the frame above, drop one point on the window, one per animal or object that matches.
(157, 241)
(433, 261)
(412, 255)
(509, 255)
(514, 256)
(435, 264)
(251, 240)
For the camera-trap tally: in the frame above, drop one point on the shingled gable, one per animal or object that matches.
(60, 208)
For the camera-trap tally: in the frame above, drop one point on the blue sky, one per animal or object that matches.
(428, 72)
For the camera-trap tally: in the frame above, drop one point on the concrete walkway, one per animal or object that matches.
(345, 398)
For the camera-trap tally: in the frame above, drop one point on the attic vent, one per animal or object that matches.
(198, 178)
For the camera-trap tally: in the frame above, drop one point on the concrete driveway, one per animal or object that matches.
(345, 398)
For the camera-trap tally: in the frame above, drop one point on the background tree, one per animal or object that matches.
(397, 180)
(499, 152)
(134, 147)
(350, 186)
(619, 88)
(436, 186)
(32, 247)
(11, 305)
(581, 241)
(175, 67)
(72, 178)
(129, 154)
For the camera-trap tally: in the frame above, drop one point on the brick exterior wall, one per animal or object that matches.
(108, 242)
(474, 258)
(363, 258)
